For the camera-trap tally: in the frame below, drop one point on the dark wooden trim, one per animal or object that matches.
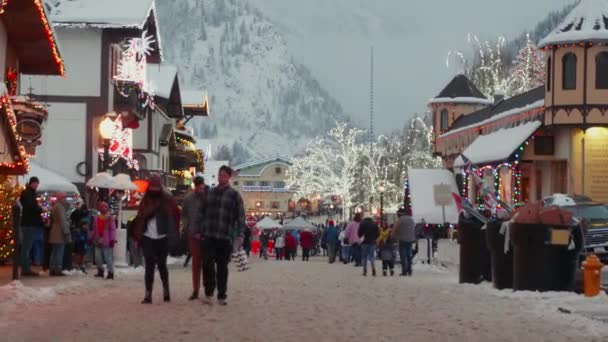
(64, 98)
(553, 85)
(585, 112)
(149, 137)
(139, 150)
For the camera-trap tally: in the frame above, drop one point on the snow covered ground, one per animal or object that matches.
(297, 301)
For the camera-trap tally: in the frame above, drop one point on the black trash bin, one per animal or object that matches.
(502, 263)
(474, 254)
(537, 264)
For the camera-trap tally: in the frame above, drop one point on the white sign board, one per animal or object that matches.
(443, 194)
(422, 184)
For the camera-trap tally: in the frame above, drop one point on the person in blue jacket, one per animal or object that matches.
(331, 239)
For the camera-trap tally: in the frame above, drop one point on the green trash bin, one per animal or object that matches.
(502, 263)
(539, 263)
(473, 251)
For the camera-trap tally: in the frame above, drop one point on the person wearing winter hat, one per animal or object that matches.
(156, 229)
(31, 225)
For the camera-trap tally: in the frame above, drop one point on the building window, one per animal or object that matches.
(275, 205)
(569, 71)
(279, 185)
(115, 55)
(601, 70)
(264, 183)
(236, 183)
(549, 75)
(249, 183)
(277, 170)
(444, 120)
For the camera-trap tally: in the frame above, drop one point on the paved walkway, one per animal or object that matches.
(292, 301)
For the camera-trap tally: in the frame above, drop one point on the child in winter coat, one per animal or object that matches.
(386, 242)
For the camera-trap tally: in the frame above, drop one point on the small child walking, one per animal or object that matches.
(386, 242)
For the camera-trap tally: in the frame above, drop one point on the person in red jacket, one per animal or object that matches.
(307, 242)
(290, 246)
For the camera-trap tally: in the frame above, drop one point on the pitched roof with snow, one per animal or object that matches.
(111, 14)
(461, 90)
(161, 78)
(498, 110)
(588, 22)
(103, 13)
(255, 168)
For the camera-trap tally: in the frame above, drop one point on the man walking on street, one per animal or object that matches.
(192, 215)
(31, 225)
(405, 231)
(224, 213)
(368, 230)
(331, 239)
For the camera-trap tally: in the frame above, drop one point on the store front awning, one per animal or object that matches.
(497, 146)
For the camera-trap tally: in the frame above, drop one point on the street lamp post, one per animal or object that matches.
(106, 128)
(258, 205)
(331, 211)
(381, 189)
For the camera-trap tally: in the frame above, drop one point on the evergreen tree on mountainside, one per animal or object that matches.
(540, 31)
(256, 89)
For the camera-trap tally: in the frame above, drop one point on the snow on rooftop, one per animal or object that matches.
(588, 21)
(193, 97)
(471, 100)
(499, 145)
(103, 13)
(161, 78)
(505, 114)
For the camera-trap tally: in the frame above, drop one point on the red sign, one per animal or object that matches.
(251, 221)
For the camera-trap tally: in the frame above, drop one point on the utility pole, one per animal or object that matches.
(371, 99)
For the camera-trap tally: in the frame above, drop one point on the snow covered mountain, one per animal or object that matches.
(262, 102)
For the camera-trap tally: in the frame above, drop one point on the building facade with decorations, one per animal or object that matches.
(108, 47)
(151, 150)
(552, 139)
(28, 46)
(261, 183)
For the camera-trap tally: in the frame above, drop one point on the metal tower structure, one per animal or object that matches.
(371, 99)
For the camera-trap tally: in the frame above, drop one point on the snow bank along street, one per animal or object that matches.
(299, 301)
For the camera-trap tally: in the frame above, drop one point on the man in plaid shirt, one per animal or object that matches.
(223, 214)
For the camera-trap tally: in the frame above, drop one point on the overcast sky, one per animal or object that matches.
(411, 41)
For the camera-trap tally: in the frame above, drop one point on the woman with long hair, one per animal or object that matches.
(156, 228)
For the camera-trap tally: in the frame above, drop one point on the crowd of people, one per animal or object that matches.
(361, 241)
(213, 222)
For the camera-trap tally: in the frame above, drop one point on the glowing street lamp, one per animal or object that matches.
(106, 130)
(381, 189)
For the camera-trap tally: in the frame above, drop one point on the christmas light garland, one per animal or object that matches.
(50, 36)
(20, 164)
(495, 169)
(8, 195)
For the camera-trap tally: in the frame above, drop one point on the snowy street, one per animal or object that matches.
(295, 301)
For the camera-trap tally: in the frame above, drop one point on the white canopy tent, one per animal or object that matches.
(102, 180)
(268, 223)
(299, 223)
(421, 185)
(123, 182)
(50, 181)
